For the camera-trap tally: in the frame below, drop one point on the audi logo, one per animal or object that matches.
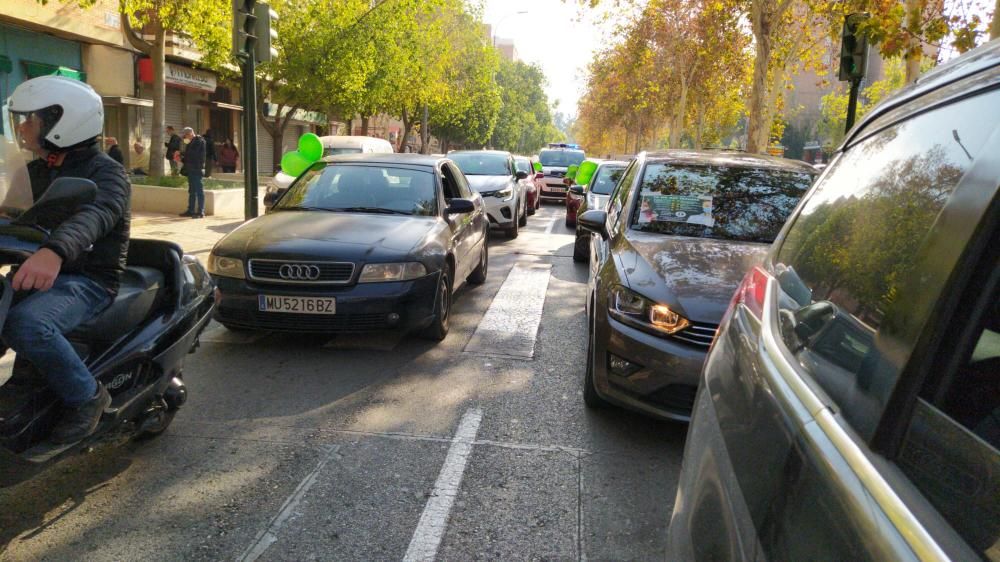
(299, 272)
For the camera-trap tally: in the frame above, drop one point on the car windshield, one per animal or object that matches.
(723, 202)
(330, 151)
(481, 163)
(606, 180)
(367, 188)
(522, 165)
(560, 158)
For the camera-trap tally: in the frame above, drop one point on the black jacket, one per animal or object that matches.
(94, 239)
(173, 145)
(116, 154)
(194, 155)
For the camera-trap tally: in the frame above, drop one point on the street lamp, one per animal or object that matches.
(497, 26)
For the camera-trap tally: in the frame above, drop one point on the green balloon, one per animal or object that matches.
(586, 172)
(571, 171)
(294, 163)
(311, 147)
(538, 166)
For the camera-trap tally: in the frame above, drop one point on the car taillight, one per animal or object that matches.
(751, 292)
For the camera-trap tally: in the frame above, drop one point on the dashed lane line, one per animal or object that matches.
(510, 326)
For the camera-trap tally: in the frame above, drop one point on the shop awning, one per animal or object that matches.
(222, 105)
(36, 69)
(5, 64)
(125, 100)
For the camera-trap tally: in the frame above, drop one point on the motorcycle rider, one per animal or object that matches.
(75, 274)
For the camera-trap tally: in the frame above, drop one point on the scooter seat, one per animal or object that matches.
(137, 297)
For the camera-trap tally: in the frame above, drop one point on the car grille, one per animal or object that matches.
(330, 273)
(304, 323)
(555, 174)
(698, 334)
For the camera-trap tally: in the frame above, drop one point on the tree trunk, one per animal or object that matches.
(157, 148)
(759, 124)
(407, 125)
(425, 132)
(699, 125)
(680, 109)
(914, 49)
(364, 126)
(276, 129)
(638, 136)
(995, 26)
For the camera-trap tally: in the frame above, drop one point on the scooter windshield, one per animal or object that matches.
(15, 185)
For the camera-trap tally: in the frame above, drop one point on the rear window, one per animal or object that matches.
(722, 202)
(481, 163)
(561, 158)
(522, 165)
(606, 180)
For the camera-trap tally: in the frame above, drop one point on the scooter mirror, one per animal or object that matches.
(65, 194)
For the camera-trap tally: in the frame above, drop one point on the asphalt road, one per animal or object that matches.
(380, 448)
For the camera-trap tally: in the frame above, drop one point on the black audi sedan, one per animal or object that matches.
(680, 230)
(365, 242)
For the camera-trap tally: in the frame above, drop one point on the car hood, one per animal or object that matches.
(486, 184)
(696, 276)
(321, 234)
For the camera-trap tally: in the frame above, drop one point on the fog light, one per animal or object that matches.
(393, 318)
(620, 366)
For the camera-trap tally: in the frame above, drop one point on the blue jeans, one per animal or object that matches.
(35, 328)
(196, 193)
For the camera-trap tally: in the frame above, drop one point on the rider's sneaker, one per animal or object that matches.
(77, 423)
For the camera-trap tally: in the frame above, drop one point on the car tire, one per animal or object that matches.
(532, 207)
(478, 275)
(513, 229)
(442, 313)
(523, 220)
(569, 223)
(590, 396)
(581, 248)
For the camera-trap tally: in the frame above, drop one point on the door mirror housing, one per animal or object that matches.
(520, 174)
(577, 189)
(459, 206)
(596, 221)
(65, 194)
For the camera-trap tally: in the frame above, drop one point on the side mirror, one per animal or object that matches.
(810, 320)
(459, 206)
(521, 175)
(577, 189)
(595, 221)
(65, 194)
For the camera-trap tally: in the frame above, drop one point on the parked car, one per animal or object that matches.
(332, 145)
(576, 192)
(361, 242)
(595, 195)
(555, 161)
(850, 406)
(493, 175)
(526, 165)
(679, 231)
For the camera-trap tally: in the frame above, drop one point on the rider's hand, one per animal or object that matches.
(38, 272)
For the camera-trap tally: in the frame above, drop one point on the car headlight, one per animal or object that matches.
(631, 307)
(505, 193)
(381, 272)
(226, 267)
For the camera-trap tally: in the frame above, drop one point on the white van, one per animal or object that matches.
(332, 145)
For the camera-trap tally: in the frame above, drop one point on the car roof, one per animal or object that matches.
(727, 158)
(620, 163)
(504, 152)
(409, 159)
(973, 62)
(350, 141)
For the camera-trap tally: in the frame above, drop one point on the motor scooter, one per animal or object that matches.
(136, 347)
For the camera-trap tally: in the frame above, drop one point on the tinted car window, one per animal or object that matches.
(464, 190)
(332, 151)
(620, 194)
(561, 158)
(371, 188)
(481, 163)
(522, 165)
(607, 178)
(854, 245)
(724, 202)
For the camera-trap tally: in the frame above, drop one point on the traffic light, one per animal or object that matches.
(265, 32)
(853, 49)
(244, 27)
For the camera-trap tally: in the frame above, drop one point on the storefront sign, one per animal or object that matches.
(180, 76)
(314, 117)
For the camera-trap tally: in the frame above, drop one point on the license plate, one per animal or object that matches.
(556, 188)
(298, 305)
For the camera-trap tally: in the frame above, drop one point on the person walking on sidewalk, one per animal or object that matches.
(228, 156)
(194, 166)
(173, 145)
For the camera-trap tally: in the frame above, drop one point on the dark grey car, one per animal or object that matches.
(850, 406)
(679, 232)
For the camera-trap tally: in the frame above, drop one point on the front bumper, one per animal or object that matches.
(554, 189)
(664, 373)
(365, 307)
(501, 213)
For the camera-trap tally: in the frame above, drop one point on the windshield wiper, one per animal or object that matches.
(303, 208)
(379, 210)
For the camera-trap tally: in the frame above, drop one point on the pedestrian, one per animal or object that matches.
(114, 151)
(173, 145)
(228, 157)
(209, 153)
(194, 166)
(138, 159)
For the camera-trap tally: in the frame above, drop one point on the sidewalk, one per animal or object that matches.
(195, 236)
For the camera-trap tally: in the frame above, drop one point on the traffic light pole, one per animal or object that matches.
(852, 104)
(249, 136)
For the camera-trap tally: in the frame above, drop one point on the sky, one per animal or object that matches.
(557, 35)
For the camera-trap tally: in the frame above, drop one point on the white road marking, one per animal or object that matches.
(430, 530)
(510, 325)
(548, 229)
(269, 536)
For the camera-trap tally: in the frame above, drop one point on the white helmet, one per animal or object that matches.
(71, 111)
